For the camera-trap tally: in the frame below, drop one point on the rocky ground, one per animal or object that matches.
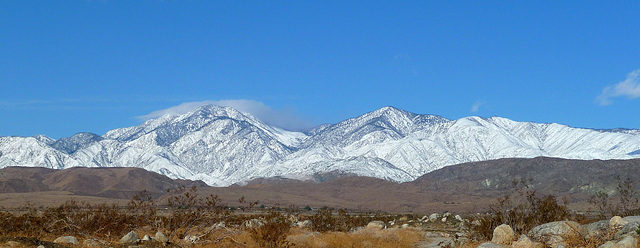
(435, 230)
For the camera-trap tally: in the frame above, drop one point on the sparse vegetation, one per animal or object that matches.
(627, 203)
(192, 220)
(522, 211)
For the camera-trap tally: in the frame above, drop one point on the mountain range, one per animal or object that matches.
(222, 146)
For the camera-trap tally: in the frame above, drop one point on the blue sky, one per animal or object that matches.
(93, 66)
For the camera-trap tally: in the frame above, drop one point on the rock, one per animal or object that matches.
(609, 244)
(93, 243)
(131, 238)
(491, 245)
(628, 229)
(146, 238)
(525, 242)
(41, 246)
(12, 243)
(444, 219)
(553, 233)
(161, 237)
(447, 214)
(376, 224)
(436, 241)
(252, 223)
(304, 224)
(631, 224)
(66, 240)
(434, 216)
(503, 235)
(595, 228)
(219, 225)
(617, 222)
(191, 239)
(632, 219)
(405, 226)
(458, 217)
(627, 242)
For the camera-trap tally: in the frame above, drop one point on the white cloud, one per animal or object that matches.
(629, 88)
(476, 106)
(283, 118)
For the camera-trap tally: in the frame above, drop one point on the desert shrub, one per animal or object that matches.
(143, 208)
(627, 203)
(187, 210)
(323, 220)
(521, 211)
(85, 219)
(575, 239)
(272, 230)
(326, 221)
(72, 217)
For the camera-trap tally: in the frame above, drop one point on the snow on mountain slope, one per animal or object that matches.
(222, 146)
(31, 152)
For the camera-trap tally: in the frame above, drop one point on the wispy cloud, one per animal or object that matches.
(283, 118)
(476, 106)
(629, 88)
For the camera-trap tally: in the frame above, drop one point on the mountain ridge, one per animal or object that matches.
(223, 146)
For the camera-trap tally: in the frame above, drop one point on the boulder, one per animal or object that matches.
(631, 224)
(553, 233)
(491, 245)
(628, 229)
(617, 222)
(503, 235)
(595, 228)
(627, 242)
(434, 216)
(609, 244)
(632, 219)
(131, 238)
(66, 240)
(191, 239)
(161, 237)
(219, 225)
(375, 225)
(252, 223)
(93, 243)
(525, 242)
(458, 217)
(146, 238)
(304, 224)
(12, 243)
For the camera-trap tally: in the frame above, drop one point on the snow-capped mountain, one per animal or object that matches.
(222, 146)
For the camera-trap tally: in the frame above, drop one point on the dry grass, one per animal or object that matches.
(189, 215)
(407, 237)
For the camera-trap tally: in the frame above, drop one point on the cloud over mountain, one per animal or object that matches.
(282, 118)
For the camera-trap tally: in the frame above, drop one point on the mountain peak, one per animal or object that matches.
(390, 110)
(222, 145)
